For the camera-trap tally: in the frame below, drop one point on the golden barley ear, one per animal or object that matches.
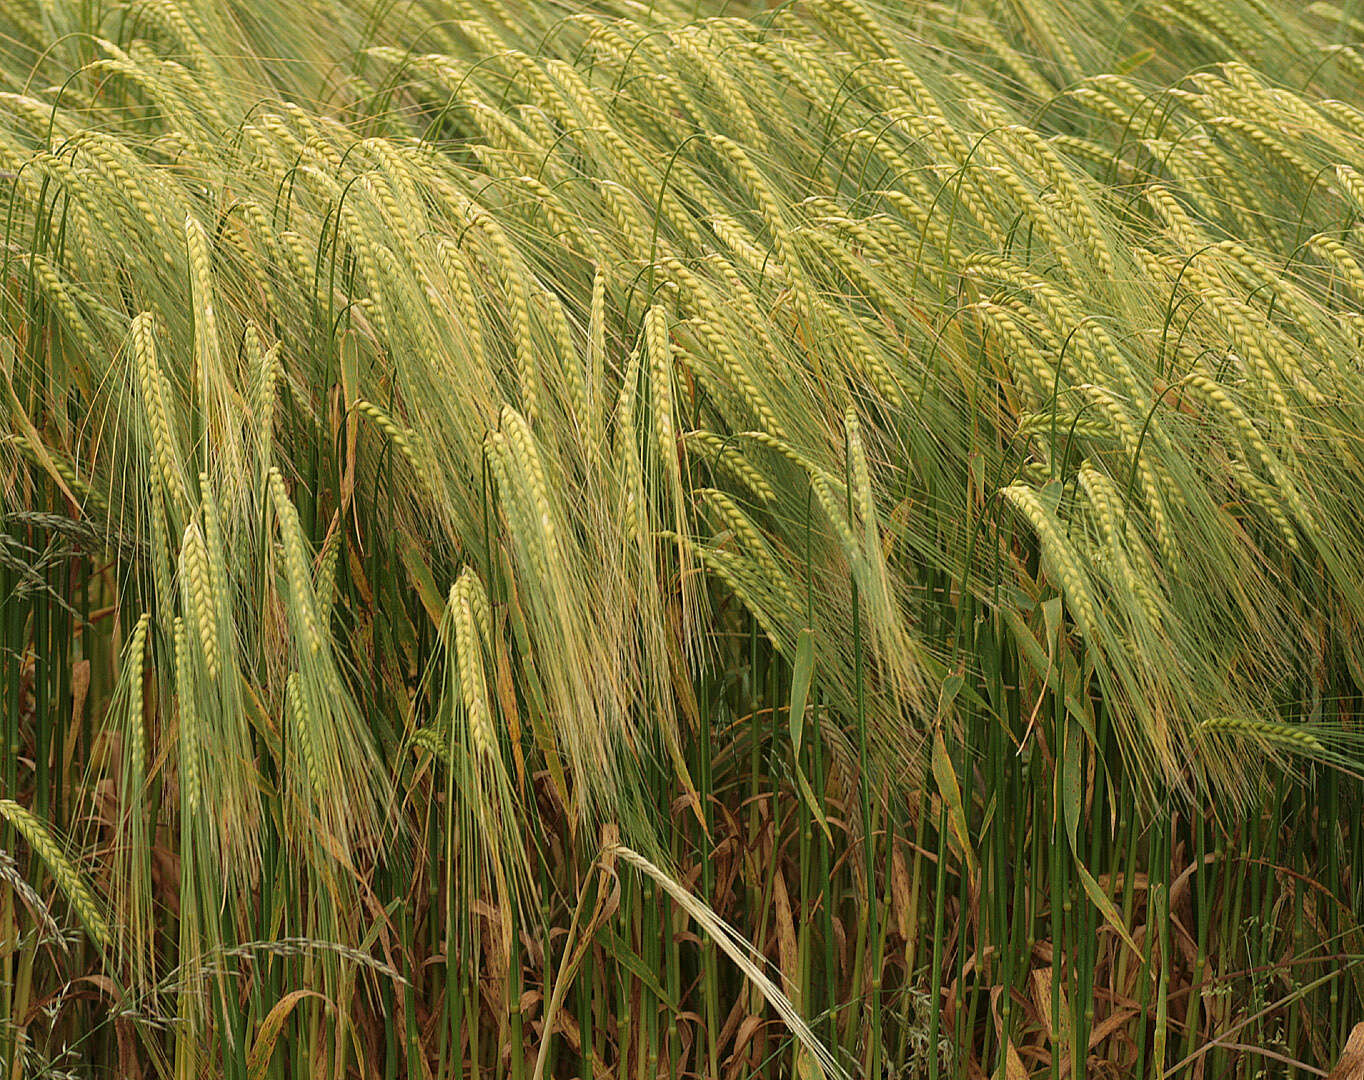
(1351, 1064)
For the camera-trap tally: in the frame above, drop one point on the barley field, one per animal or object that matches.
(549, 539)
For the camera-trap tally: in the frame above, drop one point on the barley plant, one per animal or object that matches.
(605, 539)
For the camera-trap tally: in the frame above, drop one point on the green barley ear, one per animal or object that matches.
(328, 561)
(206, 359)
(191, 737)
(1060, 555)
(751, 542)
(68, 878)
(514, 284)
(434, 740)
(667, 452)
(488, 801)
(468, 612)
(44, 456)
(134, 671)
(130, 886)
(404, 439)
(1290, 737)
(334, 749)
(594, 388)
(303, 736)
(197, 588)
(728, 458)
(266, 391)
(157, 410)
(303, 604)
(861, 505)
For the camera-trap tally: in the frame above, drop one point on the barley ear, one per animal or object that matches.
(68, 877)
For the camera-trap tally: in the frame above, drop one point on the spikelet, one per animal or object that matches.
(717, 342)
(258, 227)
(214, 545)
(754, 79)
(527, 455)
(867, 277)
(300, 715)
(1154, 491)
(743, 578)
(184, 26)
(566, 227)
(1267, 499)
(627, 215)
(1106, 506)
(268, 371)
(1352, 181)
(42, 455)
(1069, 570)
(1015, 193)
(1287, 736)
(359, 236)
(757, 188)
(327, 561)
(861, 349)
(434, 739)
(60, 296)
(594, 389)
(201, 280)
(135, 658)
(151, 383)
(452, 262)
(109, 158)
(1094, 350)
(721, 453)
(190, 735)
(1339, 257)
(658, 345)
(296, 563)
(1020, 67)
(197, 587)
(68, 877)
(378, 187)
(467, 598)
(1216, 395)
(741, 298)
(1249, 339)
(261, 276)
(559, 326)
(1267, 143)
(1287, 296)
(9, 875)
(1064, 425)
(627, 448)
(717, 79)
(1178, 220)
(75, 185)
(751, 541)
(928, 226)
(850, 14)
(822, 483)
(738, 239)
(514, 284)
(862, 502)
(403, 438)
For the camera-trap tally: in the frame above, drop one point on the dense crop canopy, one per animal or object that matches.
(473, 468)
